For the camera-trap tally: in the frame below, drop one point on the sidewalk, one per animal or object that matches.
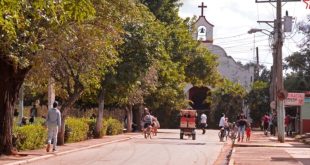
(33, 155)
(265, 150)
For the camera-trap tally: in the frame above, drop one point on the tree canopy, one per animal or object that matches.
(299, 63)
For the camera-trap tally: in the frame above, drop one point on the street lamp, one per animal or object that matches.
(254, 30)
(273, 84)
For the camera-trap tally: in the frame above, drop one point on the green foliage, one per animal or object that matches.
(259, 85)
(258, 101)
(299, 78)
(164, 10)
(29, 137)
(227, 99)
(298, 63)
(92, 126)
(24, 25)
(265, 75)
(142, 48)
(113, 126)
(202, 70)
(78, 129)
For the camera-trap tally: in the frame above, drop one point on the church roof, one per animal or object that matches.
(203, 17)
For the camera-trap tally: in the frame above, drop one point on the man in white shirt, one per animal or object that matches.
(222, 121)
(203, 122)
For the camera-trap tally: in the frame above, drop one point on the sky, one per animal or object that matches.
(232, 19)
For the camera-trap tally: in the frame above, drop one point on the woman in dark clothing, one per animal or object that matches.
(241, 127)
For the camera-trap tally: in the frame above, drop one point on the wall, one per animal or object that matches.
(305, 116)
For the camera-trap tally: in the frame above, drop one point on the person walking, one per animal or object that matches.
(266, 123)
(274, 121)
(33, 113)
(203, 122)
(287, 123)
(242, 122)
(53, 122)
(248, 132)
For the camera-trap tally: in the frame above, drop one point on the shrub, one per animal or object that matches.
(76, 129)
(29, 137)
(114, 126)
(92, 126)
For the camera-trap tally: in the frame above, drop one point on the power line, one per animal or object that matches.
(247, 39)
(243, 44)
(230, 36)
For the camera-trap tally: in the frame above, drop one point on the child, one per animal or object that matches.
(248, 132)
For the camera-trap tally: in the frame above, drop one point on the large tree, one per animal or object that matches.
(258, 101)
(164, 10)
(299, 62)
(23, 30)
(227, 98)
(140, 52)
(79, 61)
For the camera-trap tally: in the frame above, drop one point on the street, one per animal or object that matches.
(164, 149)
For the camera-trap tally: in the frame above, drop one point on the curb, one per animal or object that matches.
(65, 152)
(260, 145)
(231, 161)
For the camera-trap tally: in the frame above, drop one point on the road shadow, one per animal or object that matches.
(169, 138)
(170, 142)
(193, 144)
(284, 159)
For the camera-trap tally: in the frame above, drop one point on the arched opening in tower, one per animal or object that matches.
(198, 97)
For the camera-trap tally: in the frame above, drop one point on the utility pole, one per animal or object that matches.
(278, 69)
(257, 64)
(277, 74)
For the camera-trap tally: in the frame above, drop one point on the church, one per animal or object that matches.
(228, 67)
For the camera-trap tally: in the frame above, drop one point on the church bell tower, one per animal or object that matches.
(203, 29)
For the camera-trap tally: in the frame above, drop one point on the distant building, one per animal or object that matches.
(228, 67)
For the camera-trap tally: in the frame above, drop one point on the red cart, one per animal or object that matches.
(188, 123)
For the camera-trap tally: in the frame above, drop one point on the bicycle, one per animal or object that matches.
(148, 132)
(233, 136)
(222, 134)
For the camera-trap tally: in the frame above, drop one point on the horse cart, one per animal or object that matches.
(188, 123)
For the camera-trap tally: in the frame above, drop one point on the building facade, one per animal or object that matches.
(203, 31)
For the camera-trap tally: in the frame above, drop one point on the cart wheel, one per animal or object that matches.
(194, 136)
(181, 136)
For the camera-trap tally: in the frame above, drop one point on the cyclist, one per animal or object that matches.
(222, 126)
(226, 127)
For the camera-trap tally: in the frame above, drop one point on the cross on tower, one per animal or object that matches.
(202, 6)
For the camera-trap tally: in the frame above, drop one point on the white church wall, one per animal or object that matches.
(230, 69)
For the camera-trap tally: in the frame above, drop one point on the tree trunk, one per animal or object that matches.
(64, 110)
(61, 130)
(98, 133)
(129, 118)
(11, 80)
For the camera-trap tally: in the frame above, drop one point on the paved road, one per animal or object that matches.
(164, 149)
